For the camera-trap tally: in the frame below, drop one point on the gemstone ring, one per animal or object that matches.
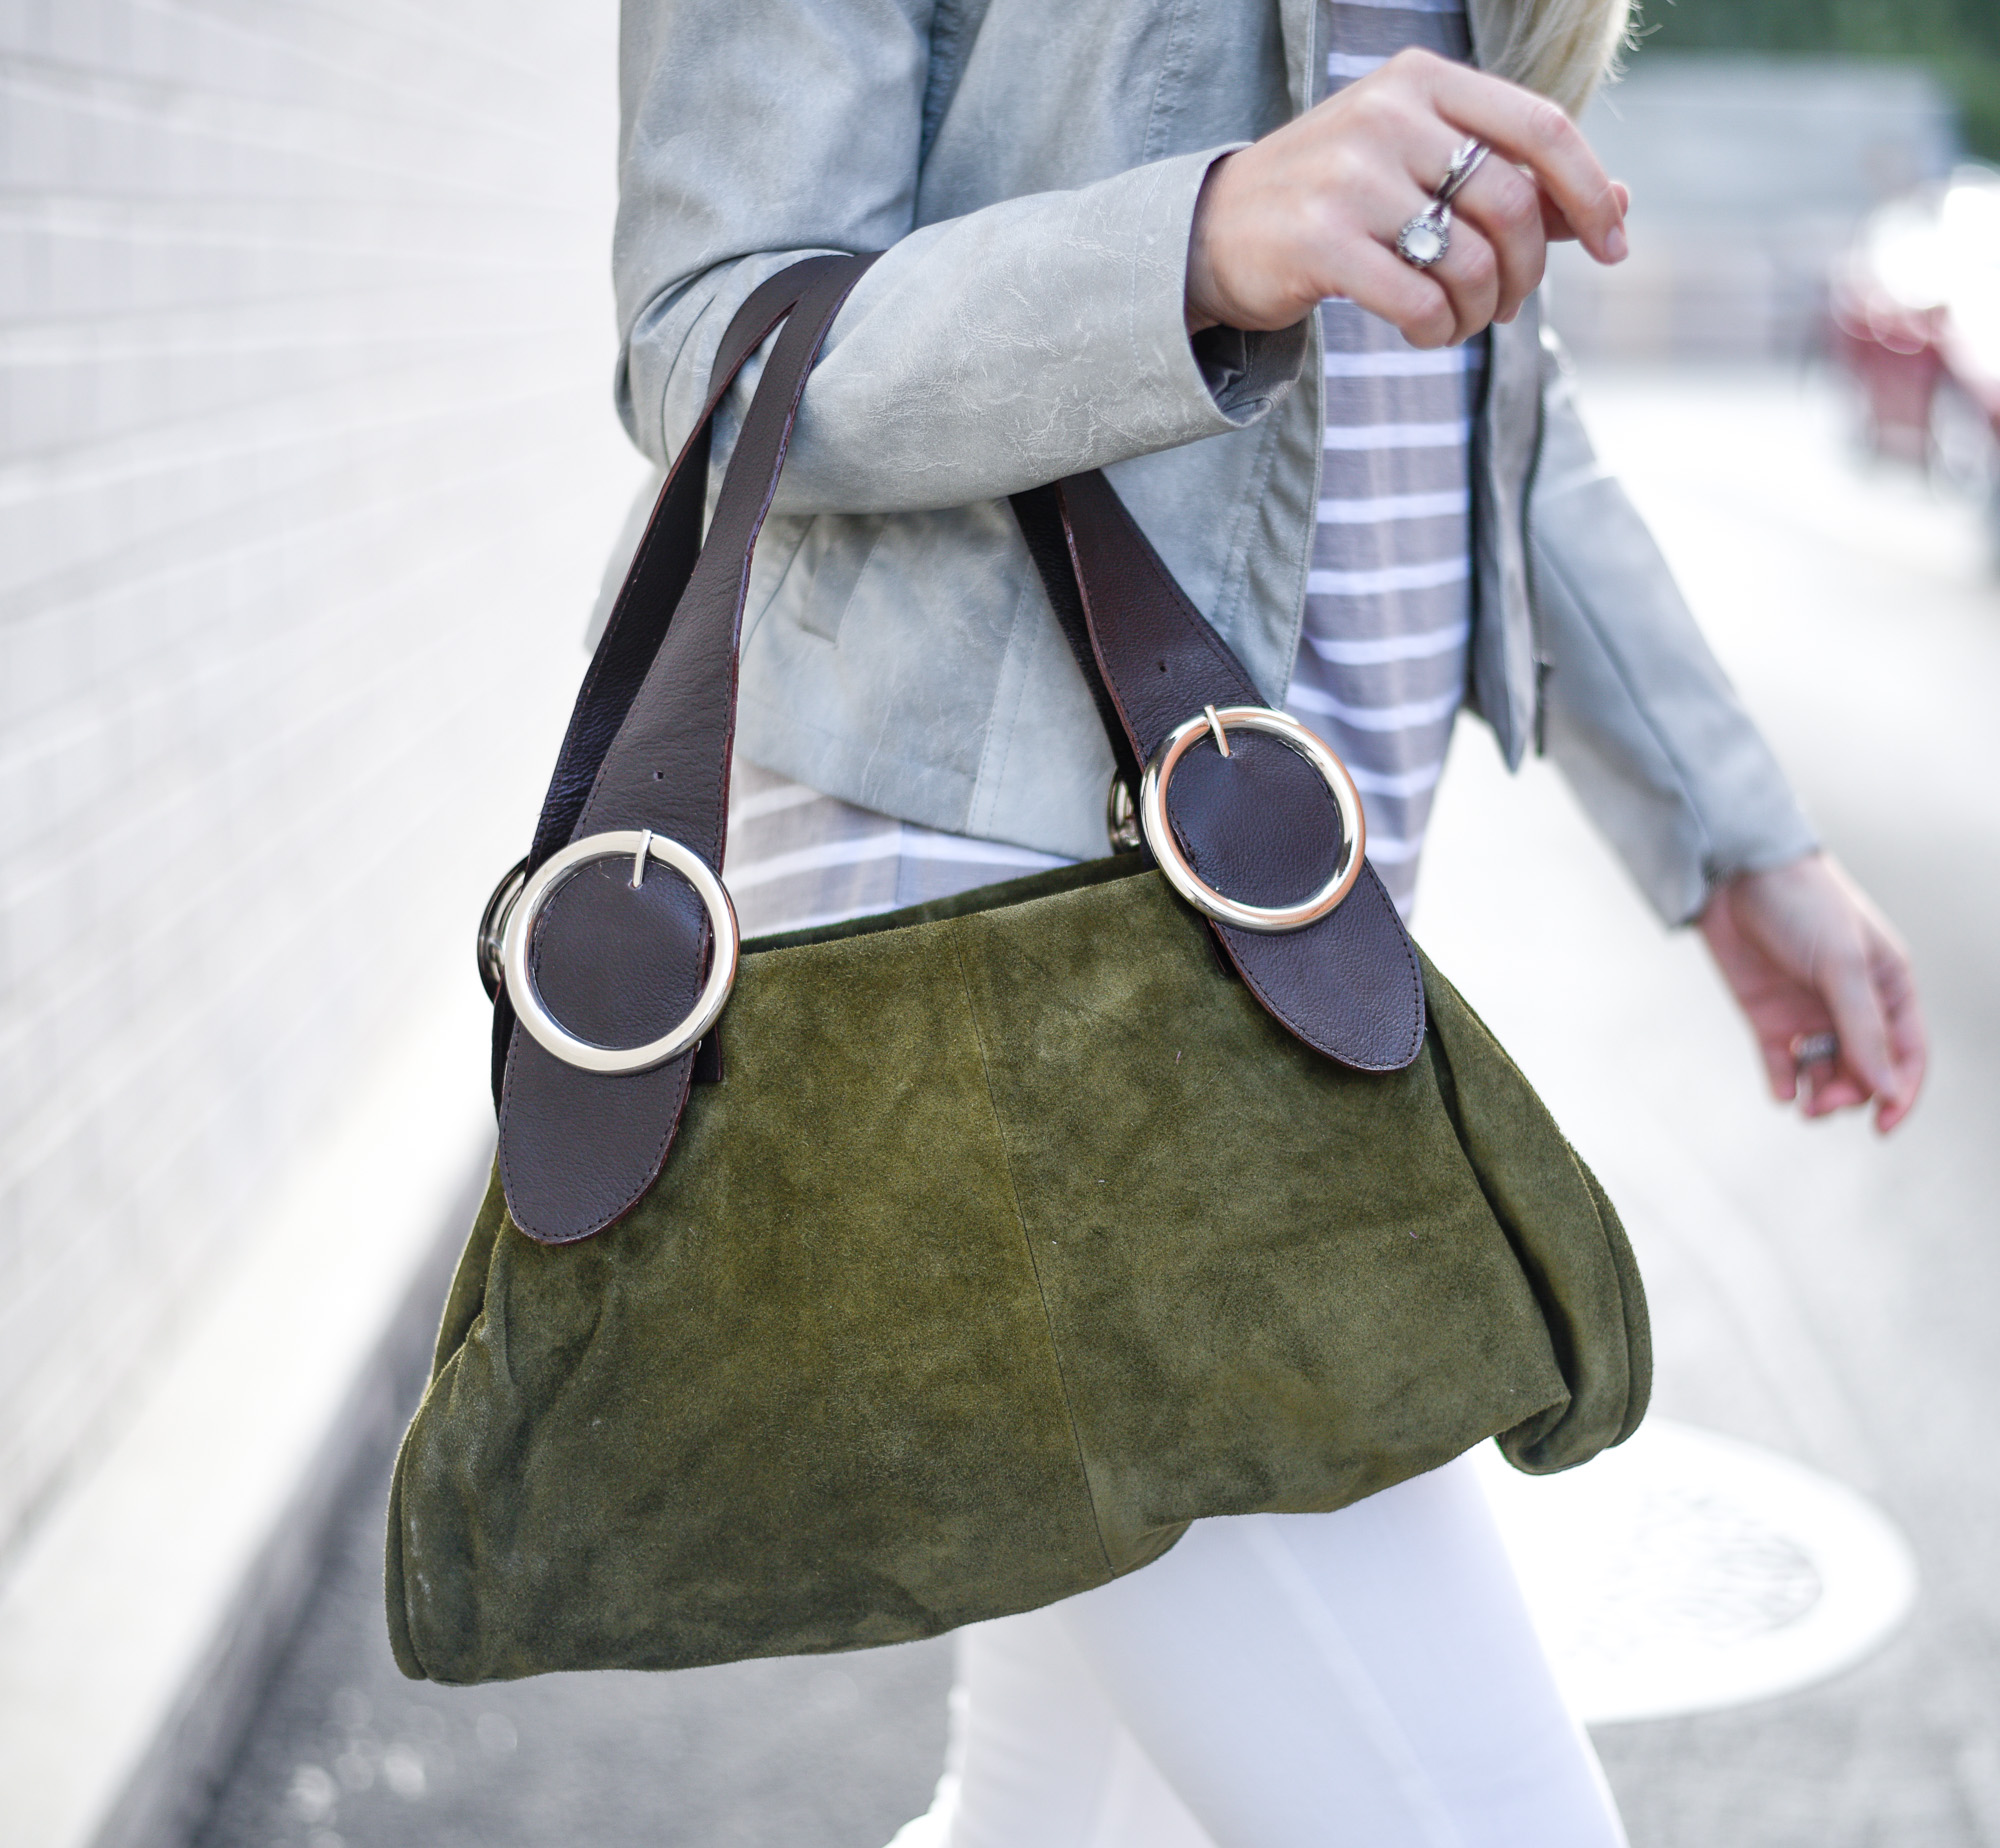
(1427, 237)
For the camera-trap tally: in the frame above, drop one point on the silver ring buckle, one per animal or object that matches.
(638, 845)
(1265, 919)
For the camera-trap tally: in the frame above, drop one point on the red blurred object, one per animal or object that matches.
(1915, 313)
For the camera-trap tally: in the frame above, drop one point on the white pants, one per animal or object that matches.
(1363, 1679)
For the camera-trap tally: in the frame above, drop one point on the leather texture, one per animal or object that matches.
(1259, 825)
(1038, 512)
(655, 578)
(650, 747)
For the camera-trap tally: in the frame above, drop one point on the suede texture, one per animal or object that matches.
(1016, 1237)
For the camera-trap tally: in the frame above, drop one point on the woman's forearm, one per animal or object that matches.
(1021, 342)
(1031, 340)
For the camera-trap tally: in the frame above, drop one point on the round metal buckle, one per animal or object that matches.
(1266, 919)
(637, 845)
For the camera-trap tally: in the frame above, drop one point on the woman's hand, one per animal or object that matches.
(1806, 954)
(1313, 209)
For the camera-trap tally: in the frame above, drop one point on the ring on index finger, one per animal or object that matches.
(1427, 237)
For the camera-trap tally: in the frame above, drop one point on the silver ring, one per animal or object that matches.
(1424, 241)
(1265, 919)
(1426, 238)
(1815, 1049)
(1464, 164)
(639, 846)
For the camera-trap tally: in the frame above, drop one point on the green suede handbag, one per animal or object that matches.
(939, 1265)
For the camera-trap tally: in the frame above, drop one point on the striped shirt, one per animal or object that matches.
(797, 858)
(1382, 656)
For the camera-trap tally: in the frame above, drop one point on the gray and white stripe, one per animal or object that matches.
(797, 858)
(1381, 667)
(1382, 659)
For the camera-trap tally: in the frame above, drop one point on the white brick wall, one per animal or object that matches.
(307, 468)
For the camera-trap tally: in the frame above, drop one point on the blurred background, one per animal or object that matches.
(307, 475)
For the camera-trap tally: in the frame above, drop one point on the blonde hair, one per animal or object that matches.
(1562, 48)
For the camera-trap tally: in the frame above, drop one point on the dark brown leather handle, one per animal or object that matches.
(620, 967)
(660, 569)
(1038, 511)
(654, 582)
(1260, 825)
(649, 747)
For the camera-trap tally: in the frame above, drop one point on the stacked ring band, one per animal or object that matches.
(1427, 237)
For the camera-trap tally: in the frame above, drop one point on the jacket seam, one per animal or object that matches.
(1316, 357)
(754, 620)
(1028, 1245)
(662, 307)
(1173, 69)
(1538, 652)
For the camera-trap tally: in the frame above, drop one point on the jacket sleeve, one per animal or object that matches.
(1019, 343)
(1636, 710)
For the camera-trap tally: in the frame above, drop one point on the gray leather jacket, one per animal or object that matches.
(1031, 167)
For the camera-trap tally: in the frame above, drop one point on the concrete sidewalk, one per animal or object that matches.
(805, 1753)
(1815, 1290)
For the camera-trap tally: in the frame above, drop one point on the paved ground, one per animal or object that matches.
(1815, 1290)
(789, 1754)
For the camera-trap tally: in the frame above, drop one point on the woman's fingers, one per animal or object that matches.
(1506, 208)
(1843, 981)
(1558, 230)
(1891, 1059)
(1413, 301)
(1434, 307)
(1807, 954)
(1314, 208)
(1533, 132)
(1471, 274)
(1909, 1046)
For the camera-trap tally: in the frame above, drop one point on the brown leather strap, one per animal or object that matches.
(649, 747)
(1259, 825)
(654, 581)
(659, 570)
(1038, 512)
(618, 966)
